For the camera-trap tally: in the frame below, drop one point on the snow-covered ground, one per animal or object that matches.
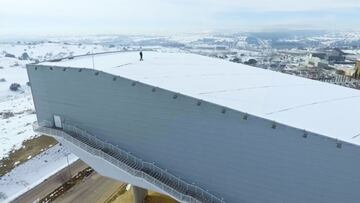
(16, 107)
(47, 51)
(12, 71)
(15, 126)
(17, 113)
(31, 173)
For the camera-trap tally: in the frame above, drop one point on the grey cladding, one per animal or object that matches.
(234, 155)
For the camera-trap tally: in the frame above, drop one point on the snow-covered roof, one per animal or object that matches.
(315, 106)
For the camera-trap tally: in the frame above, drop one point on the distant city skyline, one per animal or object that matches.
(87, 17)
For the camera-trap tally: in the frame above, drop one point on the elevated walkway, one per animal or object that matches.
(149, 172)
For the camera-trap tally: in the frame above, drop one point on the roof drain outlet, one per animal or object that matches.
(305, 134)
(245, 117)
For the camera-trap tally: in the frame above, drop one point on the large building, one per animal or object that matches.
(202, 129)
(331, 55)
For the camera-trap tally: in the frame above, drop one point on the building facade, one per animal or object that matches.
(232, 155)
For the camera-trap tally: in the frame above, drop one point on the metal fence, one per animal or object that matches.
(342, 80)
(154, 175)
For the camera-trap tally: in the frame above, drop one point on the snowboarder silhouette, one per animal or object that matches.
(141, 56)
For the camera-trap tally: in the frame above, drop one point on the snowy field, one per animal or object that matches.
(12, 71)
(17, 128)
(31, 173)
(16, 107)
(17, 111)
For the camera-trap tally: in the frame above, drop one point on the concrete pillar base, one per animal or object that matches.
(139, 194)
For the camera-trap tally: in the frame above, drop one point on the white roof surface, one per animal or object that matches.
(318, 107)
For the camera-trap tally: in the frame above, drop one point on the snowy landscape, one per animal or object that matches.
(289, 52)
(37, 169)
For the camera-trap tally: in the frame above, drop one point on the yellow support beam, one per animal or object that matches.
(357, 67)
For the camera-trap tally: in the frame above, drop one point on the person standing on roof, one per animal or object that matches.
(141, 55)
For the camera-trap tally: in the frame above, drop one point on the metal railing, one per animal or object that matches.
(154, 175)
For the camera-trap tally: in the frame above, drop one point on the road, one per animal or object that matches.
(51, 183)
(93, 189)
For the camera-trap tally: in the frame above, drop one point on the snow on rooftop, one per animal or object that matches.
(315, 106)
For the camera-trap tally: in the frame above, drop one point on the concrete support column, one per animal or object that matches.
(139, 194)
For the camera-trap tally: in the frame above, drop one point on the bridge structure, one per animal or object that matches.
(202, 129)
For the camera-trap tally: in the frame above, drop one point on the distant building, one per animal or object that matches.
(314, 60)
(346, 69)
(221, 48)
(324, 65)
(330, 55)
(319, 55)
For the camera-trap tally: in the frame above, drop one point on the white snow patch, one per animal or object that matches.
(14, 130)
(29, 174)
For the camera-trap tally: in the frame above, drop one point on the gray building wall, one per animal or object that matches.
(241, 160)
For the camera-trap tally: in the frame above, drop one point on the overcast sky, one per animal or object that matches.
(73, 17)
